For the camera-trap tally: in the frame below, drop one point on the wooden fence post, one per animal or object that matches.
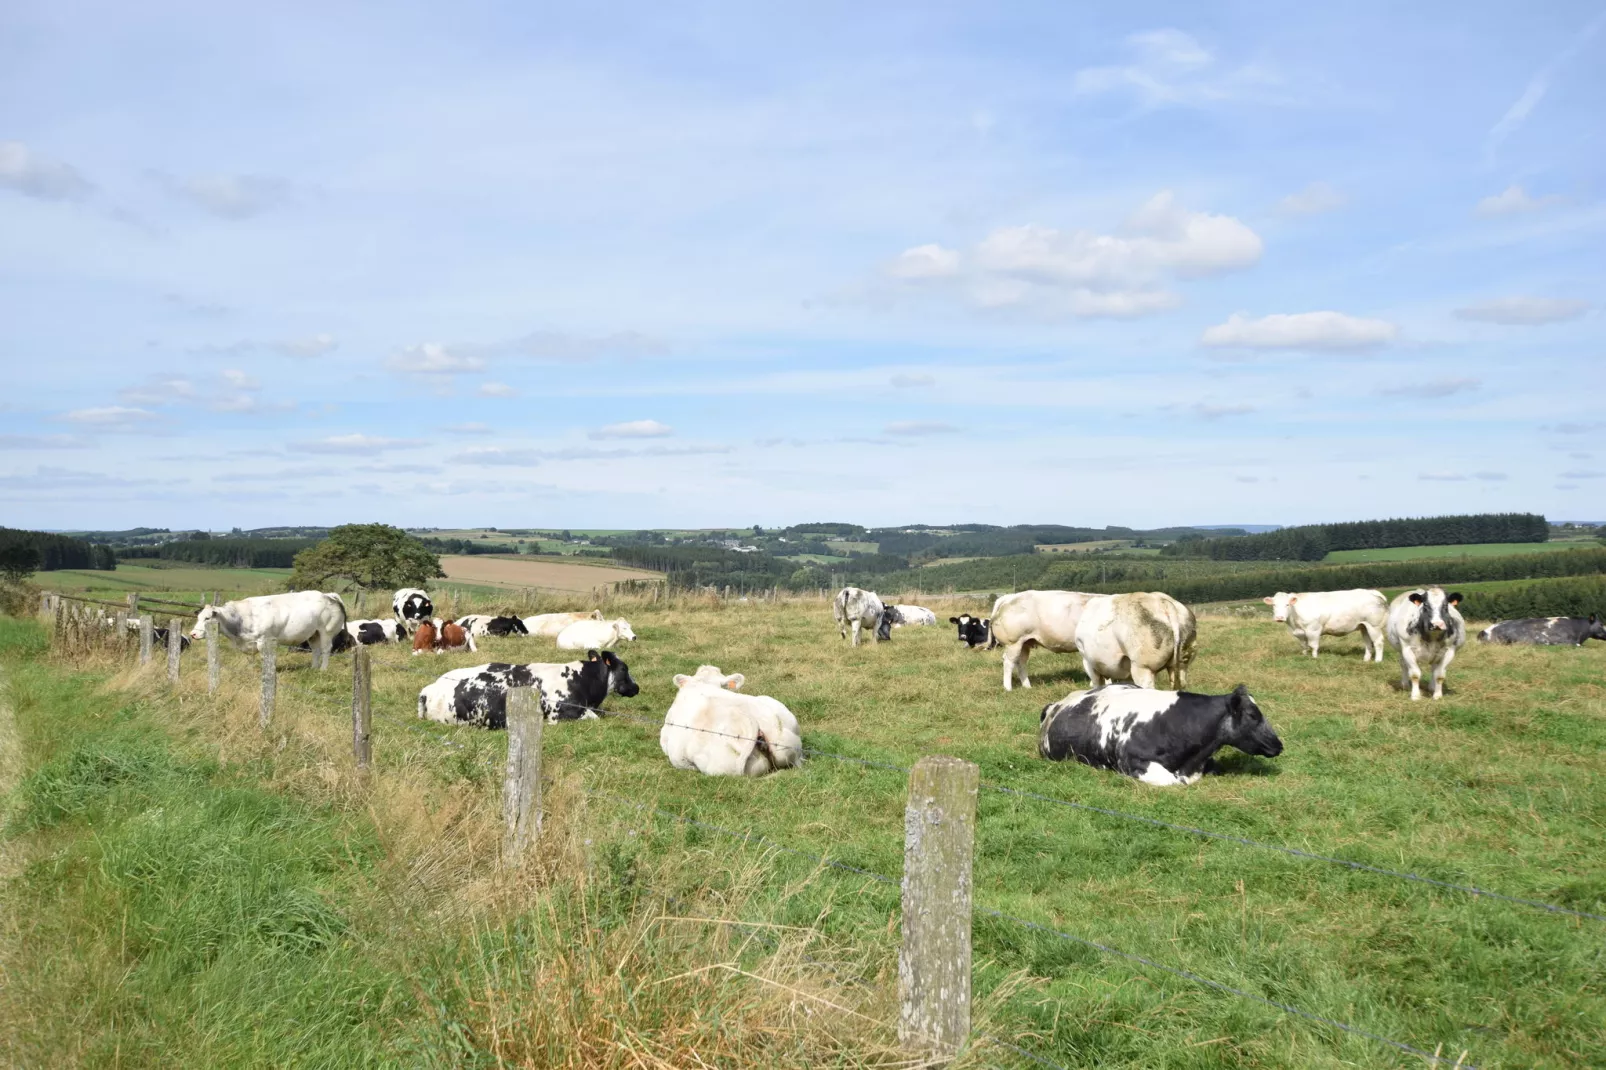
(175, 644)
(214, 658)
(270, 682)
(521, 790)
(146, 626)
(939, 839)
(362, 707)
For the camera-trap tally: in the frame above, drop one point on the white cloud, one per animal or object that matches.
(906, 381)
(1434, 388)
(1514, 201)
(634, 429)
(549, 345)
(1443, 477)
(1206, 411)
(1490, 477)
(433, 358)
(159, 390)
(110, 417)
(496, 390)
(1523, 311)
(354, 444)
(33, 175)
(1171, 67)
(1314, 199)
(1583, 475)
(47, 478)
(42, 442)
(1084, 273)
(1300, 330)
(919, 427)
(304, 472)
(496, 455)
(925, 262)
(315, 346)
(474, 428)
(229, 196)
(392, 469)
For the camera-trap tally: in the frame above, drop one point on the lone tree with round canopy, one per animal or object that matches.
(370, 556)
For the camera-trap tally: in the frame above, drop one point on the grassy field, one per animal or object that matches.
(1476, 549)
(1495, 786)
(182, 583)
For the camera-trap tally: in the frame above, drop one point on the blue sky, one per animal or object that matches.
(615, 265)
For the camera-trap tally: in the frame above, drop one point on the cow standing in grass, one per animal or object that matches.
(1313, 614)
(1028, 619)
(270, 619)
(859, 609)
(1136, 636)
(1427, 629)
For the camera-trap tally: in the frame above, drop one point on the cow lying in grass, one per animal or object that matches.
(714, 730)
(568, 691)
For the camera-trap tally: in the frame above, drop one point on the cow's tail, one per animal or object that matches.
(1176, 650)
(339, 602)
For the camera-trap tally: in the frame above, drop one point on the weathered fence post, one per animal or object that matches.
(60, 624)
(214, 658)
(521, 790)
(146, 626)
(133, 603)
(270, 682)
(362, 707)
(121, 629)
(175, 644)
(939, 838)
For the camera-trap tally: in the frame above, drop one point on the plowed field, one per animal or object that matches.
(544, 573)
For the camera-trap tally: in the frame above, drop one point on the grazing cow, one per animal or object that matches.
(714, 730)
(1313, 614)
(913, 616)
(279, 618)
(861, 609)
(1028, 619)
(973, 631)
(424, 637)
(548, 625)
(1134, 636)
(585, 634)
(411, 604)
(1164, 738)
(482, 624)
(1427, 629)
(453, 636)
(1545, 631)
(569, 691)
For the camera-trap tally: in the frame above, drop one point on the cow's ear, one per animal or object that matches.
(1293, 598)
(735, 681)
(953, 620)
(1455, 598)
(985, 621)
(1269, 601)
(1416, 598)
(681, 679)
(592, 655)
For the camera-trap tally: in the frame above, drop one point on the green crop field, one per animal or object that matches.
(181, 581)
(1476, 549)
(1495, 786)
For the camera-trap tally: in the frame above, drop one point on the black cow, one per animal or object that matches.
(159, 639)
(1545, 631)
(1164, 738)
(505, 626)
(973, 631)
(568, 691)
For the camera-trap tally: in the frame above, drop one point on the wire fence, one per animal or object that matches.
(751, 838)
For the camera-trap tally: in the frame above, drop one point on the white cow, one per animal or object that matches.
(1313, 614)
(914, 616)
(279, 618)
(1028, 619)
(1427, 629)
(548, 625)
(595, 634)
(1134, 636)
(860, 609)
(714, 730)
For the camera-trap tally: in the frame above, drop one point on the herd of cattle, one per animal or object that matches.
(1121, 721)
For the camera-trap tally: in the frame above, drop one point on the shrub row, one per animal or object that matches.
(224, 553)
(1313, 542)
(59, 551)
(1573, 596)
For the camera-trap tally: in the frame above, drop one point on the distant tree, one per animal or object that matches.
(372, 556)
(18, 561)
(199, 536)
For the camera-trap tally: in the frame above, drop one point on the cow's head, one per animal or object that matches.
(1246, 728)
(207, 613)
(1597, 627)
(713, 677)
(622, 628)
(1435, 616)
(619, 681)
(1279, 604)
(972, 630)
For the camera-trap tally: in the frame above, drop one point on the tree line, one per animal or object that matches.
(1312, 542)
(224, 552)
(51, 551)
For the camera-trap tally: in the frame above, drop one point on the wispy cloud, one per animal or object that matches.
(32, 174)
(634, 429)
(1523, 311)
(1314, 199)
(496, 390)
(1207, 411)
(357, 444)
(1300, 330)
(1537, 87)
(471, 428)
(1433, 388)
(907, 381)
(233, 197)
(919, 427)
(1171, 67)
(1513, 201)
(43, 442)
(112, 417)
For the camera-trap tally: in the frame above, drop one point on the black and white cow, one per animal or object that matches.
(1545, 631)
(412, 604)
(159, 638)
(1427, 630)
(479, 624)
(1165, 738)
(373, 632)
(859, 609)
(568, 691)
(973, 631)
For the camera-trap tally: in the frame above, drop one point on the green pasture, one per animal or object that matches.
(182, 581)
(1474, 549)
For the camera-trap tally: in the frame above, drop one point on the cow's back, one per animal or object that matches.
(1050, 618)
(1339, 609)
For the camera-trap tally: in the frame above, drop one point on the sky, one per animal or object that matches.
(619, 265)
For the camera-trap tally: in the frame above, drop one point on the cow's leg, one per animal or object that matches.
(1093, 677)
(1142, 676)
(1020, 662)
(1313, 639)
(1410, 672)
(1440, 670)
(1015, 664)
(856, 626)
(1374, 643)
(1160, 776)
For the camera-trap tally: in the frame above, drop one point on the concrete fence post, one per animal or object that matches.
(521, 789)
(939, 839)
(362, 708)
(175, 644)
(146, 633)
(133, 603)
(120, 627)
(270, 682)
(60, 623)
(214, 658)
